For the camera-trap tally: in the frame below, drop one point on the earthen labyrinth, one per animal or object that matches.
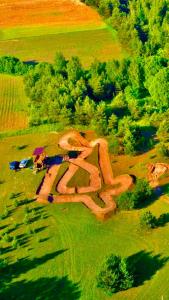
(115, 185)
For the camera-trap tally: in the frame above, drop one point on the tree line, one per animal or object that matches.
(112, 97)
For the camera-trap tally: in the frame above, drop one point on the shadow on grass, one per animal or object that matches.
(37, 230)
(24, 265)
(15, 195)
(21, 147)
(163, 220)
(26, 201)
(42, 240)
(145, 265)
(42, 289)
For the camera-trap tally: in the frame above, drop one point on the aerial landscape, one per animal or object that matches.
(84, 149)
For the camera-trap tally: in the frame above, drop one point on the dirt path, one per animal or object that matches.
(73, 141)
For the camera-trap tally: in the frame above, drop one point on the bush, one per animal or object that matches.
(15, 243)
(7, 238)
(115, 275)
(163, 150)
(16, 203)
(135, 198)
(3, 263)
(148, 220)
(26, 220)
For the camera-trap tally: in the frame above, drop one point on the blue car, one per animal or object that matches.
(14, 165)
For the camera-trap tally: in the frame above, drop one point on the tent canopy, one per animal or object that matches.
(38, 151)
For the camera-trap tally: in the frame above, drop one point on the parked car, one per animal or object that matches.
(14, 165)
(24, 163)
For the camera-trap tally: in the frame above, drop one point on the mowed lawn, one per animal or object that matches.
(90, 44)
(61, 258)
(13, 103)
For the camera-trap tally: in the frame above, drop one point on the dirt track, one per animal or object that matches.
(73, 141)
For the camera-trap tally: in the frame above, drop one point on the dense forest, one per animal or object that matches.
(141, 24)
(127, 99)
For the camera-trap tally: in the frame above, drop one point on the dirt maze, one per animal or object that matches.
(74, 141)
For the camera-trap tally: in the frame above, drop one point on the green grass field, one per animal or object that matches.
(61, 259)
(42, 43)
(13, 103)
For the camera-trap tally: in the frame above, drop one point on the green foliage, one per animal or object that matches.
(114, 146)
(115, 275)
(148, 220)
(7, 238)
(26, 219)
(12, 65)
(140, 194)
(3, 263)
(15, 243)
(163, 150)
(16, 203)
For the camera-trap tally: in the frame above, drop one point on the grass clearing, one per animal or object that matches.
(69, 241)
(13, 103)
(87, 44)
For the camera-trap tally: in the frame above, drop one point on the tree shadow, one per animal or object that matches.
(31, 62)
(163, 220)
(26, 201)
(145, 265)
(21, 147)
(23, 265)
(42, 240)
(42, 289)
(37, 230)
(15, 195)
(23, 239)
(5, 250)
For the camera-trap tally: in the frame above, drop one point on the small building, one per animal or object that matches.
(39, 156)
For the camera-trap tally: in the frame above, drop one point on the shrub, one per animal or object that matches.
(115, 275)
(7, 238)
(135, 198)
(16, 203)
(3, 263)
(148, 220)
(15, 243)
(163, 150)
(26, 220)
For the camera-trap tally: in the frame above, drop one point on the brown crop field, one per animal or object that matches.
(49, 12)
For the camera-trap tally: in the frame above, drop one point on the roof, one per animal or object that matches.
(38, 151)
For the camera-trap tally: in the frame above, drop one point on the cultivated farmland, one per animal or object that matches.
(36, 30)
(13, 103)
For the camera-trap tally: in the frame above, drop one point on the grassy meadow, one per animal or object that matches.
(13, 103)
(63, 253)
(88, 44)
